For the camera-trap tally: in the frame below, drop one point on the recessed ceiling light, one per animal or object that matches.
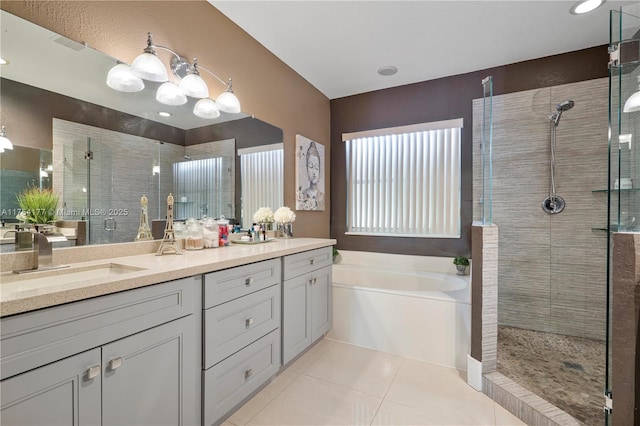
(585, 6)
(164, 114)
(388, 70)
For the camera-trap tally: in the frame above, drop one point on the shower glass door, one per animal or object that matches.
(624, 133)
(87, 188)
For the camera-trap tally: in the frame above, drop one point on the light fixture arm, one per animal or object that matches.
(228, 85)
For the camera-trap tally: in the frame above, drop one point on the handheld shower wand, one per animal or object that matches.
(554, 204)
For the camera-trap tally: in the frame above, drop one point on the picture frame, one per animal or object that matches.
(310, 187)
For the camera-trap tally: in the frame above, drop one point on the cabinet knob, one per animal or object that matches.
(248, 373)
(93, 372)
(311, 261)
(248, 281)
(248, 322)
(115, 363)
(314, 281)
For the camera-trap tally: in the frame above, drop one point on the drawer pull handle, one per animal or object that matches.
(248, 373)
(115, 363)
(311, 261)
(248, 322)
(93, 372)
(314, 281)
(248, 281)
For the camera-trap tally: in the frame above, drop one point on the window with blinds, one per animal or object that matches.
(261, 176)
(405, 181)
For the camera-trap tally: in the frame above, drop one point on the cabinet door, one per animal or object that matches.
(321, 303)
(62, 393)
(296, 329)
(148, 377)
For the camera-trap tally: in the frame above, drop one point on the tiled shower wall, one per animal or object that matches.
(552, 268)
(121, 172)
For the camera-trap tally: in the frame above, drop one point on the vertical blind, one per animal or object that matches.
(261, 175)
(199, 188)
(405, 184)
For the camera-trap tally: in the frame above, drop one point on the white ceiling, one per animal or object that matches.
(338, 46)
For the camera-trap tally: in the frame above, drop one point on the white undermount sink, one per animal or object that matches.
(70, 275)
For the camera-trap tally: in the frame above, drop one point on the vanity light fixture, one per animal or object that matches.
(585, 6)
(122, 79)
(147, 66)
(3, 61)
(633, 102)
(164, 114)
(5, 143)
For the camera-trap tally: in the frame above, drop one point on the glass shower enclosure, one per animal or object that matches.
(623, 191)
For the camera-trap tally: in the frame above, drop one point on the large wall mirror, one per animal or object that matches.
(100, 150)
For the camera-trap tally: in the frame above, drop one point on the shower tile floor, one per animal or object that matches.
(566, 371)
(335, 383)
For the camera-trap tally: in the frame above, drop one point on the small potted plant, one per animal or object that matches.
(462, 264)
(37, 205)
(335, 254)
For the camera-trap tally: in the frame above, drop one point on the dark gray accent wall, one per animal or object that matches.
(435, 100)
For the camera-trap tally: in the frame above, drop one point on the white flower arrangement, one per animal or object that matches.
(263, 215)
(284, 215)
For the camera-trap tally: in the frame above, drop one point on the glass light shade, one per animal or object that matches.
(43, 174)
(121, 78)
(193, 85)
(149, 67)
(5, 143)
(170, 94)
(206, 108)
(585, 6)
(1, 150)
(228, 102)
(633, 103)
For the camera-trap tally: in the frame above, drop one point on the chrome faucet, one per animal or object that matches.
(41, 241)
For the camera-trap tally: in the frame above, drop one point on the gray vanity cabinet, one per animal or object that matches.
(122, 359)
(147, 376)
(61, 393)
(307, 300)
(241, 329)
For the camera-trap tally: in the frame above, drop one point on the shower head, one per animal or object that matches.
(186, 157)
(561, 107)
(565, 105)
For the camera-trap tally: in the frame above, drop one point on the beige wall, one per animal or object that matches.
(266, 87)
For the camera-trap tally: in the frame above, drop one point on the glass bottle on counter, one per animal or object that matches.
(210, 233)
(194, 239)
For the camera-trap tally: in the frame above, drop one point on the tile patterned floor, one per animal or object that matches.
(567, 371)
(335, 383)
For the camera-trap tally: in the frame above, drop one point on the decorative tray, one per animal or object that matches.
(253, 242)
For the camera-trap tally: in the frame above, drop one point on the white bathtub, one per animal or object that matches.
(412, 306)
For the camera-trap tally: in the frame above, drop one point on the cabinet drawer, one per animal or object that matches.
(222, 286)
(36, 338)
(232, 380)
(305, 262)
(232, 326)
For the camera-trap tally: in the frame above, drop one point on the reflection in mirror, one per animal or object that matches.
(101, 179)
(262, 171)
(48, 104)
(20, 169)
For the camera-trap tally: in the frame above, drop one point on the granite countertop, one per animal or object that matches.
(18, 294)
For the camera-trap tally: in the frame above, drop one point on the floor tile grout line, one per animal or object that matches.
(272, 399)
(402, 359)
